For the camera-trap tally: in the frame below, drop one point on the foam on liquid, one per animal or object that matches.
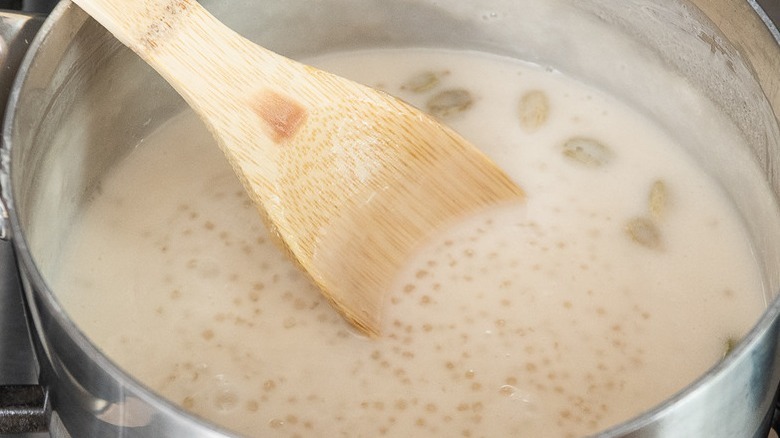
(544, 320)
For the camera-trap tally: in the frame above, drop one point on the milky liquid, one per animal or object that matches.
(549, 319)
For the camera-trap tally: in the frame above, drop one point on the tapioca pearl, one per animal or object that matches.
(207, 334)
(422, 273)
(225, 400)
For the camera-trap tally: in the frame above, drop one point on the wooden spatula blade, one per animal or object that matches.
(350, 179)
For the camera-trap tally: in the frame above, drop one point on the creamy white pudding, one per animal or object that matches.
(623, 277)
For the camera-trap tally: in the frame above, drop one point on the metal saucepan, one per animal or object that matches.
(81, 101)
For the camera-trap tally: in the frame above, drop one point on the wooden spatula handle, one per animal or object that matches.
(207, 62)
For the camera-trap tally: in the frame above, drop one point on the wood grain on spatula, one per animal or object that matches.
(348, 178)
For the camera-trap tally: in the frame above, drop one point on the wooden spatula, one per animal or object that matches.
(348, 178)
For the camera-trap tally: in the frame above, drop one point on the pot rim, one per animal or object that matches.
(768, 22)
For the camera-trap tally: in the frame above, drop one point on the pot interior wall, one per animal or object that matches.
(87, 101)
(99, 101)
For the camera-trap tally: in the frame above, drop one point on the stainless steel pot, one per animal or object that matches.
(82, 101)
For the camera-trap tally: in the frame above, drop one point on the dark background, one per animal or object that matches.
(32, 5)
(28, 5)
(772, 8)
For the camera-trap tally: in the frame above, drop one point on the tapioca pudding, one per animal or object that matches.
(623, 277)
